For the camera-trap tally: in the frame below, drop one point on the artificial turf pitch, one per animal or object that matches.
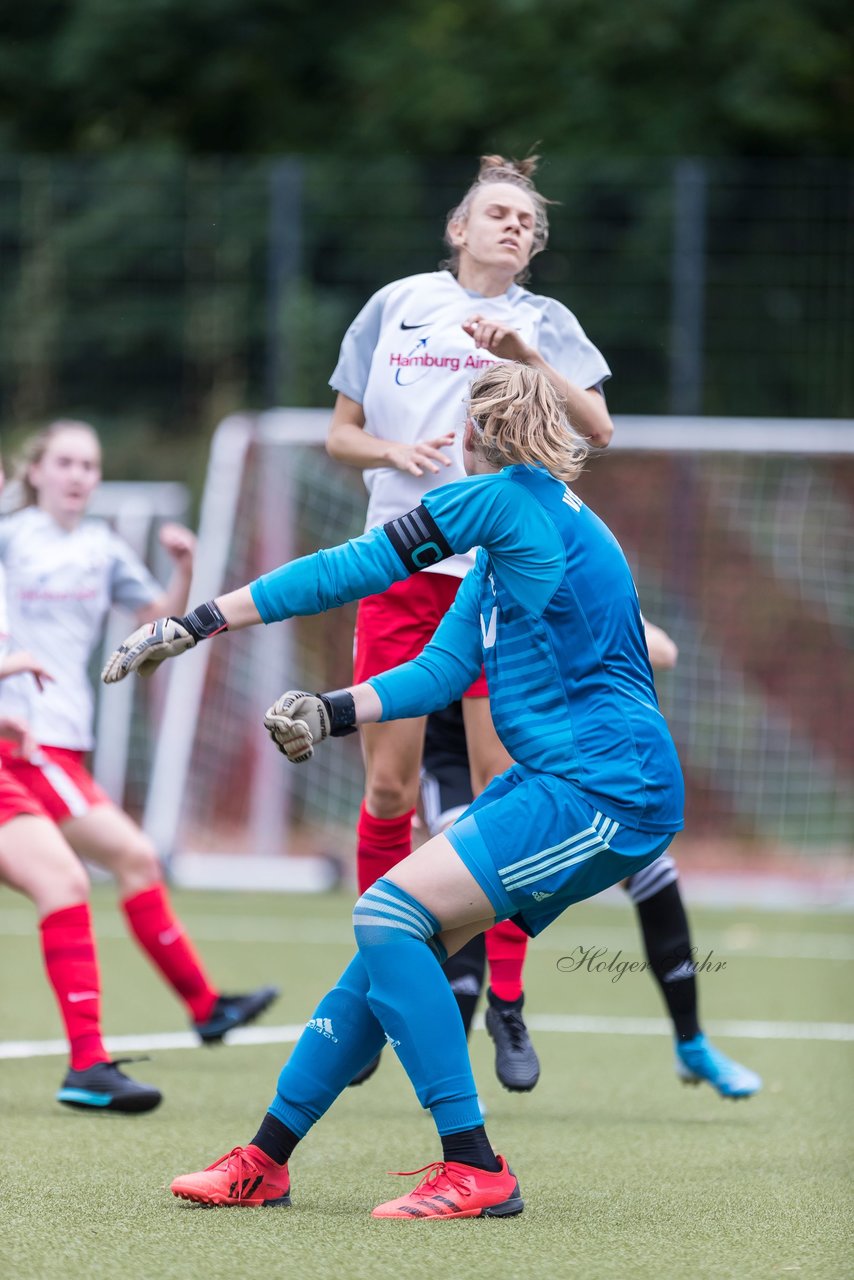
(625, 1172)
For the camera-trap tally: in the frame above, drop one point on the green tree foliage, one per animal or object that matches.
(151, 276)
(770, 77)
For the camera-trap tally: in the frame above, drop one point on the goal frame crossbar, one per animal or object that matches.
(271, 865)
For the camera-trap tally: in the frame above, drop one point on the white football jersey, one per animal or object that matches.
(5, 646)
(59, 588)
(408, 362)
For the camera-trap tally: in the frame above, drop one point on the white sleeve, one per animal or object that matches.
(7, 529)
(7, 644)
(566, 347)
(350, 375)
(5, 638)
(131, 584)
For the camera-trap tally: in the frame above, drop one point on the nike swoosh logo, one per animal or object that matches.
(74, 997)
(425, 325)
(168, 936)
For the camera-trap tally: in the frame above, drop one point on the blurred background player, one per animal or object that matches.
(404, 371)
(446, 793)
(63, 573)
(36, 861)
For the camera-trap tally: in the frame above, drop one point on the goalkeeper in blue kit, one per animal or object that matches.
(595, 795)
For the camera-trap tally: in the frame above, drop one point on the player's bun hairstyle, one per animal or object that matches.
(518, 416)
(30, 453)
(519, 173)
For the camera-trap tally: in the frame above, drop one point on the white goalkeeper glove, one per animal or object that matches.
(146, 648)
(153, 643)
(298, 720)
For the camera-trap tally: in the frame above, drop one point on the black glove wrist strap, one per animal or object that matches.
(341, 710)
(203, 621)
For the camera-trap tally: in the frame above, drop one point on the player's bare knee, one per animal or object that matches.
(138, 865)
(67, 886)
(73, 882)
(390, 797)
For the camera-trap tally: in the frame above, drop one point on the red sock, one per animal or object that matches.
(506, 946)
(162, 938)
(68, 947)
(380, 844)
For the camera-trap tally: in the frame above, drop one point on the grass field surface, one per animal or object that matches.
(625, 1172)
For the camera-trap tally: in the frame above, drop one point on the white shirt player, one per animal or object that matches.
(408, 362)
(5, 639)
(60, 586)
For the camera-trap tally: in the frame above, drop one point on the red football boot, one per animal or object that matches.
(452, 1190)
(245, 1177)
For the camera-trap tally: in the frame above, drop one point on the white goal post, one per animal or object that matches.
(717, 516)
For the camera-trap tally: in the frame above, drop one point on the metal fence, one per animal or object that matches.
(154, 291)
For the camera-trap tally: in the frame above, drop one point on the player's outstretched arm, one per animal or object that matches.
(298, 720)
(442, 672)
(144, 649)
(362, 567)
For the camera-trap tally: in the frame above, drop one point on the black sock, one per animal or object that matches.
(464, 971)
(470, 1146)
(275, 1139)
(495, 1002)
(667, 939)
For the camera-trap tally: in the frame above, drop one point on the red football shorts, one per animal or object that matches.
(15, 800)
(55, 782)
(395, 626)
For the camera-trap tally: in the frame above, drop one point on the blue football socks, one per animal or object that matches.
(410, 996)
(340, 1039)
(393, 990)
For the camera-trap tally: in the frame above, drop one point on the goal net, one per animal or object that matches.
(740, 534)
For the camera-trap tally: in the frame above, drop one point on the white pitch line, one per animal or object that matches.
(746, 1030)
(735, 941)
(567, 1024)
(153, 1041)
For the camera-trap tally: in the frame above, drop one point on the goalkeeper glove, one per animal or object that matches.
(153, 643)
(297, 720)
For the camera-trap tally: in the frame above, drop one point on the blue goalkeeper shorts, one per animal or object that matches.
(536, 844)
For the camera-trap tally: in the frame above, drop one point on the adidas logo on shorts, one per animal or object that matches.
(539, 896)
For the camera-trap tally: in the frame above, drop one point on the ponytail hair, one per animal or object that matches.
(519, 173)
(32, 451)
(518, 416)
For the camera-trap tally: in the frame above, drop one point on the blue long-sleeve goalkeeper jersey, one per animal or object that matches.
(551, 610)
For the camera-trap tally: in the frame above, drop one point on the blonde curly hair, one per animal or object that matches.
(518, 416)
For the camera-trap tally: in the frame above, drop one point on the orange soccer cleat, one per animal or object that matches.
(453, 1190)
(245, 1177)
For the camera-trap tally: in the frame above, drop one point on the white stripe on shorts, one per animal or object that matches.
(558, 856)
(553, 868)
(73, 799)
(517, 868)
(603, 828)
(578, 849)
